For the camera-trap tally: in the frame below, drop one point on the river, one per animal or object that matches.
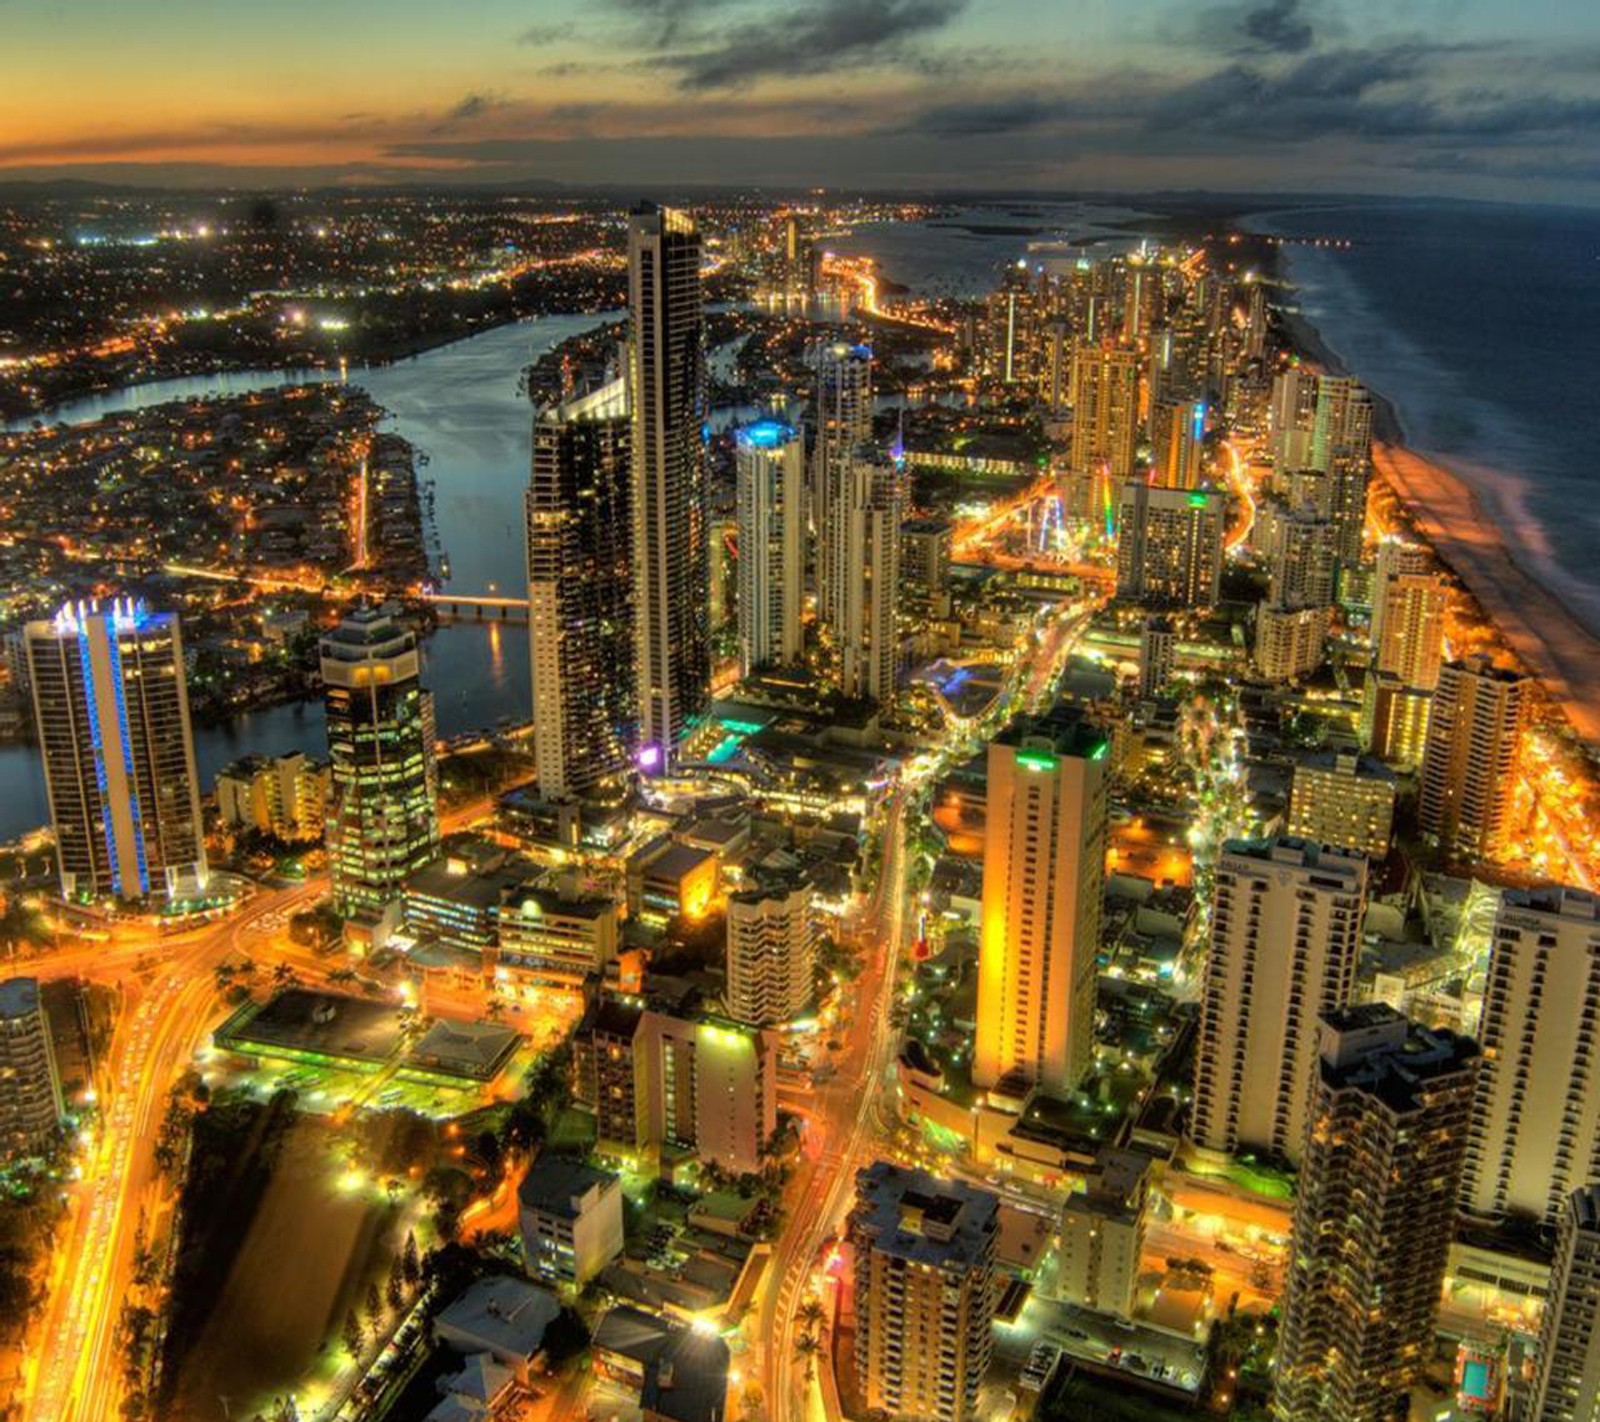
(458, 404)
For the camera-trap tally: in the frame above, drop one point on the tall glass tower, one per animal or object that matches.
(671, 564)
(113, 716)
(383, 818)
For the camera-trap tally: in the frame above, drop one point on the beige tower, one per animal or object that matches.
(1470, 762)
(772, 950)
(1043, 877)
(769, 491)
(1566, 1383)
(1105, 409)
(1285, 940)
(925, 1292)
(867, 525)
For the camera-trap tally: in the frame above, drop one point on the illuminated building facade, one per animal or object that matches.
(1304, 560)
(1470, 761)
(112, 711)
(1105, 409)
(31, 1107)
(925, 562)
(1158, 651)
(1169, 546)
(285, 796)
(867, 527)
(1285, 941)
(841, 420)
(1394, 719)
(671, 567)
(1373, 1218)
(1289, 640)
(706, 1086)
(1566, 1380)
(382, 815)
(1536, 1118)
(570, 1218)
(551, 937)
(772, 951)
(579, 527)
(1043, 878)
(1340, 798)
(925, 1292)
(769, 493)
(1408, 610)
(1177, 442)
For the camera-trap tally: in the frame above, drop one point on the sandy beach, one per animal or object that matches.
(1537, 626)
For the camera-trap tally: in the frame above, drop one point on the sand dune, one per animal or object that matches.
(1550, 641)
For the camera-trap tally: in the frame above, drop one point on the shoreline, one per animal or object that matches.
(1452, 516)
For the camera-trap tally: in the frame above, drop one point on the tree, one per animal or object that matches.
(410, 1261)
(809, 1347)
(395, 1293)
(374, 1304)
(353, 1335)
(810, 1315)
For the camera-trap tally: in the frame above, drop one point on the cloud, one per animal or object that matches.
(467, 109)
(547, 34)
(809, 40)
(668, 18)
(1279, 27)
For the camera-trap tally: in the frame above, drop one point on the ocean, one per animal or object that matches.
(1478, 323)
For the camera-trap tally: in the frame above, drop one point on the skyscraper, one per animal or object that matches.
(772, 950)
(1566, 1380)
(841, 420)
(1177, 442)
(1293, 419)
(1536, 1117)
(1043, 879)
(1105, 409)
(925, 1292)
(1169, 546)
(382, 817)
(1285, 939)
(112, 710)
(867, 525)
(1304, 560)
(1374, 1210)
(580, 591)
(1470, 761)
(1289, 640)
(1341, 444)
(1408, 607)
(769, 493)
(666, 368)
(30, 1091)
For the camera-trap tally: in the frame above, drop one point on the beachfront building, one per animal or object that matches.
(1394, 719)
(1408, 607)
(1374, 1215)
(1470, 760)
(1285, 940)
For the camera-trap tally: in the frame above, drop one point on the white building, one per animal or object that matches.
(1566, 1381)
(1285, 938)
(769, 490)
(867, 524)
(570, 1216)
(772, 951)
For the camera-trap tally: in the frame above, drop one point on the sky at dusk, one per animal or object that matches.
(1479, 98)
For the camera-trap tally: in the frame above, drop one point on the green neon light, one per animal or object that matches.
(1099, 752)
(740, 728)
(1035, 760)
(1198, 501)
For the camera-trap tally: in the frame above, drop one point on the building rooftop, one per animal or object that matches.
(1371, 1048)
(688, 1381)
(555, 1183)
(1557, 899)
(1065, 729)
(508, 1316)
(19, 997)
(918, 1217)
(478, 1050)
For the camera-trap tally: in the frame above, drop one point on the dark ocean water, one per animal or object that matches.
(1480, 324)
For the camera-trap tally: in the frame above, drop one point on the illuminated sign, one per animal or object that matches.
(1036, 760)
(766, 434)
(1199, 501)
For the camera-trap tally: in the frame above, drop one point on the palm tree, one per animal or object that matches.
(810, 1315)
(809, 1347)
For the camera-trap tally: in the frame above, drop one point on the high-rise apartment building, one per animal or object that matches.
(1374, 1211)
(112, 711)
(1105, 409)
(1566, 1379)
(1293, 418)
(1470, 761)
(1408, 609)
(1012, 314)
(772, 951)
(1102, 1235)
(925, 1292)
(1536, 1118)
(383, 818)
(925, 562)
(1177, 442)
(1324, 423)
(670, 547)
(1285, 940)
(769, 493)
(1394, 719)
(1158, 652)
(1169, 546)
(285, 795)
(31, 1107)
(1043, 880)
(841, 420)
(1304, 560)
(1289, 640)
(1343, 799)
(579, 529)
(866, 524)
